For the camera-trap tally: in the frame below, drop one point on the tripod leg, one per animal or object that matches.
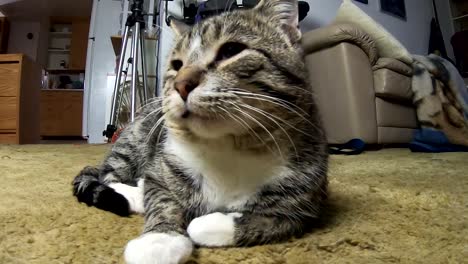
(136, 36)
(145, 73)
(118, 78)
(111, 127)
(120, 102)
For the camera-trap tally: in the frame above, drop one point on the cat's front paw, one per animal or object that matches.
(213, 230)
(158, 248)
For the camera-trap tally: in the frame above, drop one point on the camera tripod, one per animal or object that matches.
(136, 23)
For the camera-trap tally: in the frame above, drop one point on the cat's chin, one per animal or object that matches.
(203, 126)
(208, 128)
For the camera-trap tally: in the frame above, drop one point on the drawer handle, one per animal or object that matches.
(9, 62)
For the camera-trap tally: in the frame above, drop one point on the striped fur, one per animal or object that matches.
(246, 150)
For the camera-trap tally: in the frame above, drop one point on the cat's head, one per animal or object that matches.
(237, 72)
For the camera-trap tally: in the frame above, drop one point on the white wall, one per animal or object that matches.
(100, 62)
(413, 33)
(35, 48)
(167, 36)
(19, 43)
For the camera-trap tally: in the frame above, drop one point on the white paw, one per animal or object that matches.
(213, 230)
(134, 195)
(158, 248)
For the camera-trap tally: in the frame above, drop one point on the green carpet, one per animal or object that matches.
(388, 206)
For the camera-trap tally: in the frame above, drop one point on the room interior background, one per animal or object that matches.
(105, 19)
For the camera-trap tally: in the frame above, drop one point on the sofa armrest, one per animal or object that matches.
(342, 80)
(334, 34)
(393, 65)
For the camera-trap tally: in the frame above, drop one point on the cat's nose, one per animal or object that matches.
(187, 80)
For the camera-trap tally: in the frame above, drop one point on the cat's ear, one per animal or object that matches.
(285, 12)
(179, 27)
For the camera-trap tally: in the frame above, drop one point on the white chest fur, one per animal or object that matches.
(230, 177)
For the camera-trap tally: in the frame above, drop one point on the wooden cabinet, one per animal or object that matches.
(62, 109)
(68, 41)
(20, 82)
(79, 44)
(61, 112)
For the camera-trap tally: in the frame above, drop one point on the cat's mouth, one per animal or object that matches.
(185, 114)
(192, 111)
(191, 115)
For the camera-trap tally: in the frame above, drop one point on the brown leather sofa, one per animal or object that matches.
(360, 95)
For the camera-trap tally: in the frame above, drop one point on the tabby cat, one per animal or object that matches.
(233, 154)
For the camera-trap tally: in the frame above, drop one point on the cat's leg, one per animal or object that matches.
(104, 187)
(236, 229)
(214, 230)
(133, 194)
(164, 239)
(90, 190)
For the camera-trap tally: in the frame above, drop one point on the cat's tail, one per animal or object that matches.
(88, 189)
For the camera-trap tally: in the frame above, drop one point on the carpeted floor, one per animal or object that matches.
(389, 206)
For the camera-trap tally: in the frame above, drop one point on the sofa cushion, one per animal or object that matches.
(387, 45)
(389, 84)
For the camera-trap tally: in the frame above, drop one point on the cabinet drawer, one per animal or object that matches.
(61, 113)
(8, 113)
(50, 95)
(9, 79)
(8, 138)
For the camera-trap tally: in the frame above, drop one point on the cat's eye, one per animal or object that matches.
(229, 50)
(177, 64)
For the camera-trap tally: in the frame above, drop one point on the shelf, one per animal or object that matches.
(460, 17)
(59, 51)
(117, 43)
(64, 90)
(60, 34)
(65, 71)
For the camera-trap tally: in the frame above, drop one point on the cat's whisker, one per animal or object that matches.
(278, 104)
(165, 30)
(262, 126)
(305, 90)
(230, 6)
(157, 111)
(150, 102)
(274, 121)
(160, 133)
(242, 122)
(155, 127)
(155, 99)
(226, 6)
(282, 120)
(276, 101)
(225, 9)
(237, 119)
(302, 89)
(246, 92)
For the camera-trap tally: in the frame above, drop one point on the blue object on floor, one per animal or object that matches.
(433, 141)
(198, 17)
(353, 147)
